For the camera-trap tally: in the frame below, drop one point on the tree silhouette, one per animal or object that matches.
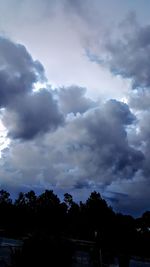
(46, 219)
(5, 198)
(68, 199)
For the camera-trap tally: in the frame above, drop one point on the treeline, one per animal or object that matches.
(45, 216)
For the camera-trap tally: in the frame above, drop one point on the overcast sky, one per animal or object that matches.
(75, 99)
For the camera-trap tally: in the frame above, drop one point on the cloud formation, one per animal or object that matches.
(90, 152)
(18, 71)
(33, 114)
(62, 138)
(26, 113)
(73, 100)
(126, 53)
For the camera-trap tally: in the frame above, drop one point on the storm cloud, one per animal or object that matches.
(127, 52)
(66, 140)
(73, 100)
(18, 71)
(33, 114)
(90, 152)
(26, 113)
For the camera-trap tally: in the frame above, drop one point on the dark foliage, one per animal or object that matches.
(49, 226)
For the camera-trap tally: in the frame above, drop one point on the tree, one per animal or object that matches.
(48, 199)
(31, 199)
(6, 210)
(5, 197)
(146, 220)
(21, 200)
(68, 199)
(48, 206)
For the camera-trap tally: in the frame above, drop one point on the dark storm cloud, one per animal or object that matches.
(129, 56)
(31, 115)
(92, 151)
(73, 100)
(126, 53)
(133, 195)
(106, 138)
(27, 113)
(93, 147)
(18, 71)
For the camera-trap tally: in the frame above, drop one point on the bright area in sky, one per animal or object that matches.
(4, 140)
(58, 37)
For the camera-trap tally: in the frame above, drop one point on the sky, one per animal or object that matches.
(75, 99)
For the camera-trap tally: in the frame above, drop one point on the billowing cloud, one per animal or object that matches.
(90, 152)
(127, 53)
(26, 113)
(18, 71)
(73, 100)
(31, 115)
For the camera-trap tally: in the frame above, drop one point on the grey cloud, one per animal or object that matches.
(120, 111)
(127, 52)
(140, 100)
(140, 103)
(18, 71)
(73, 100)
(143, 136)
(33, 114)
(26, 113)
(108, 143)
(92, 151)
(133, 196)
(128, 55)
